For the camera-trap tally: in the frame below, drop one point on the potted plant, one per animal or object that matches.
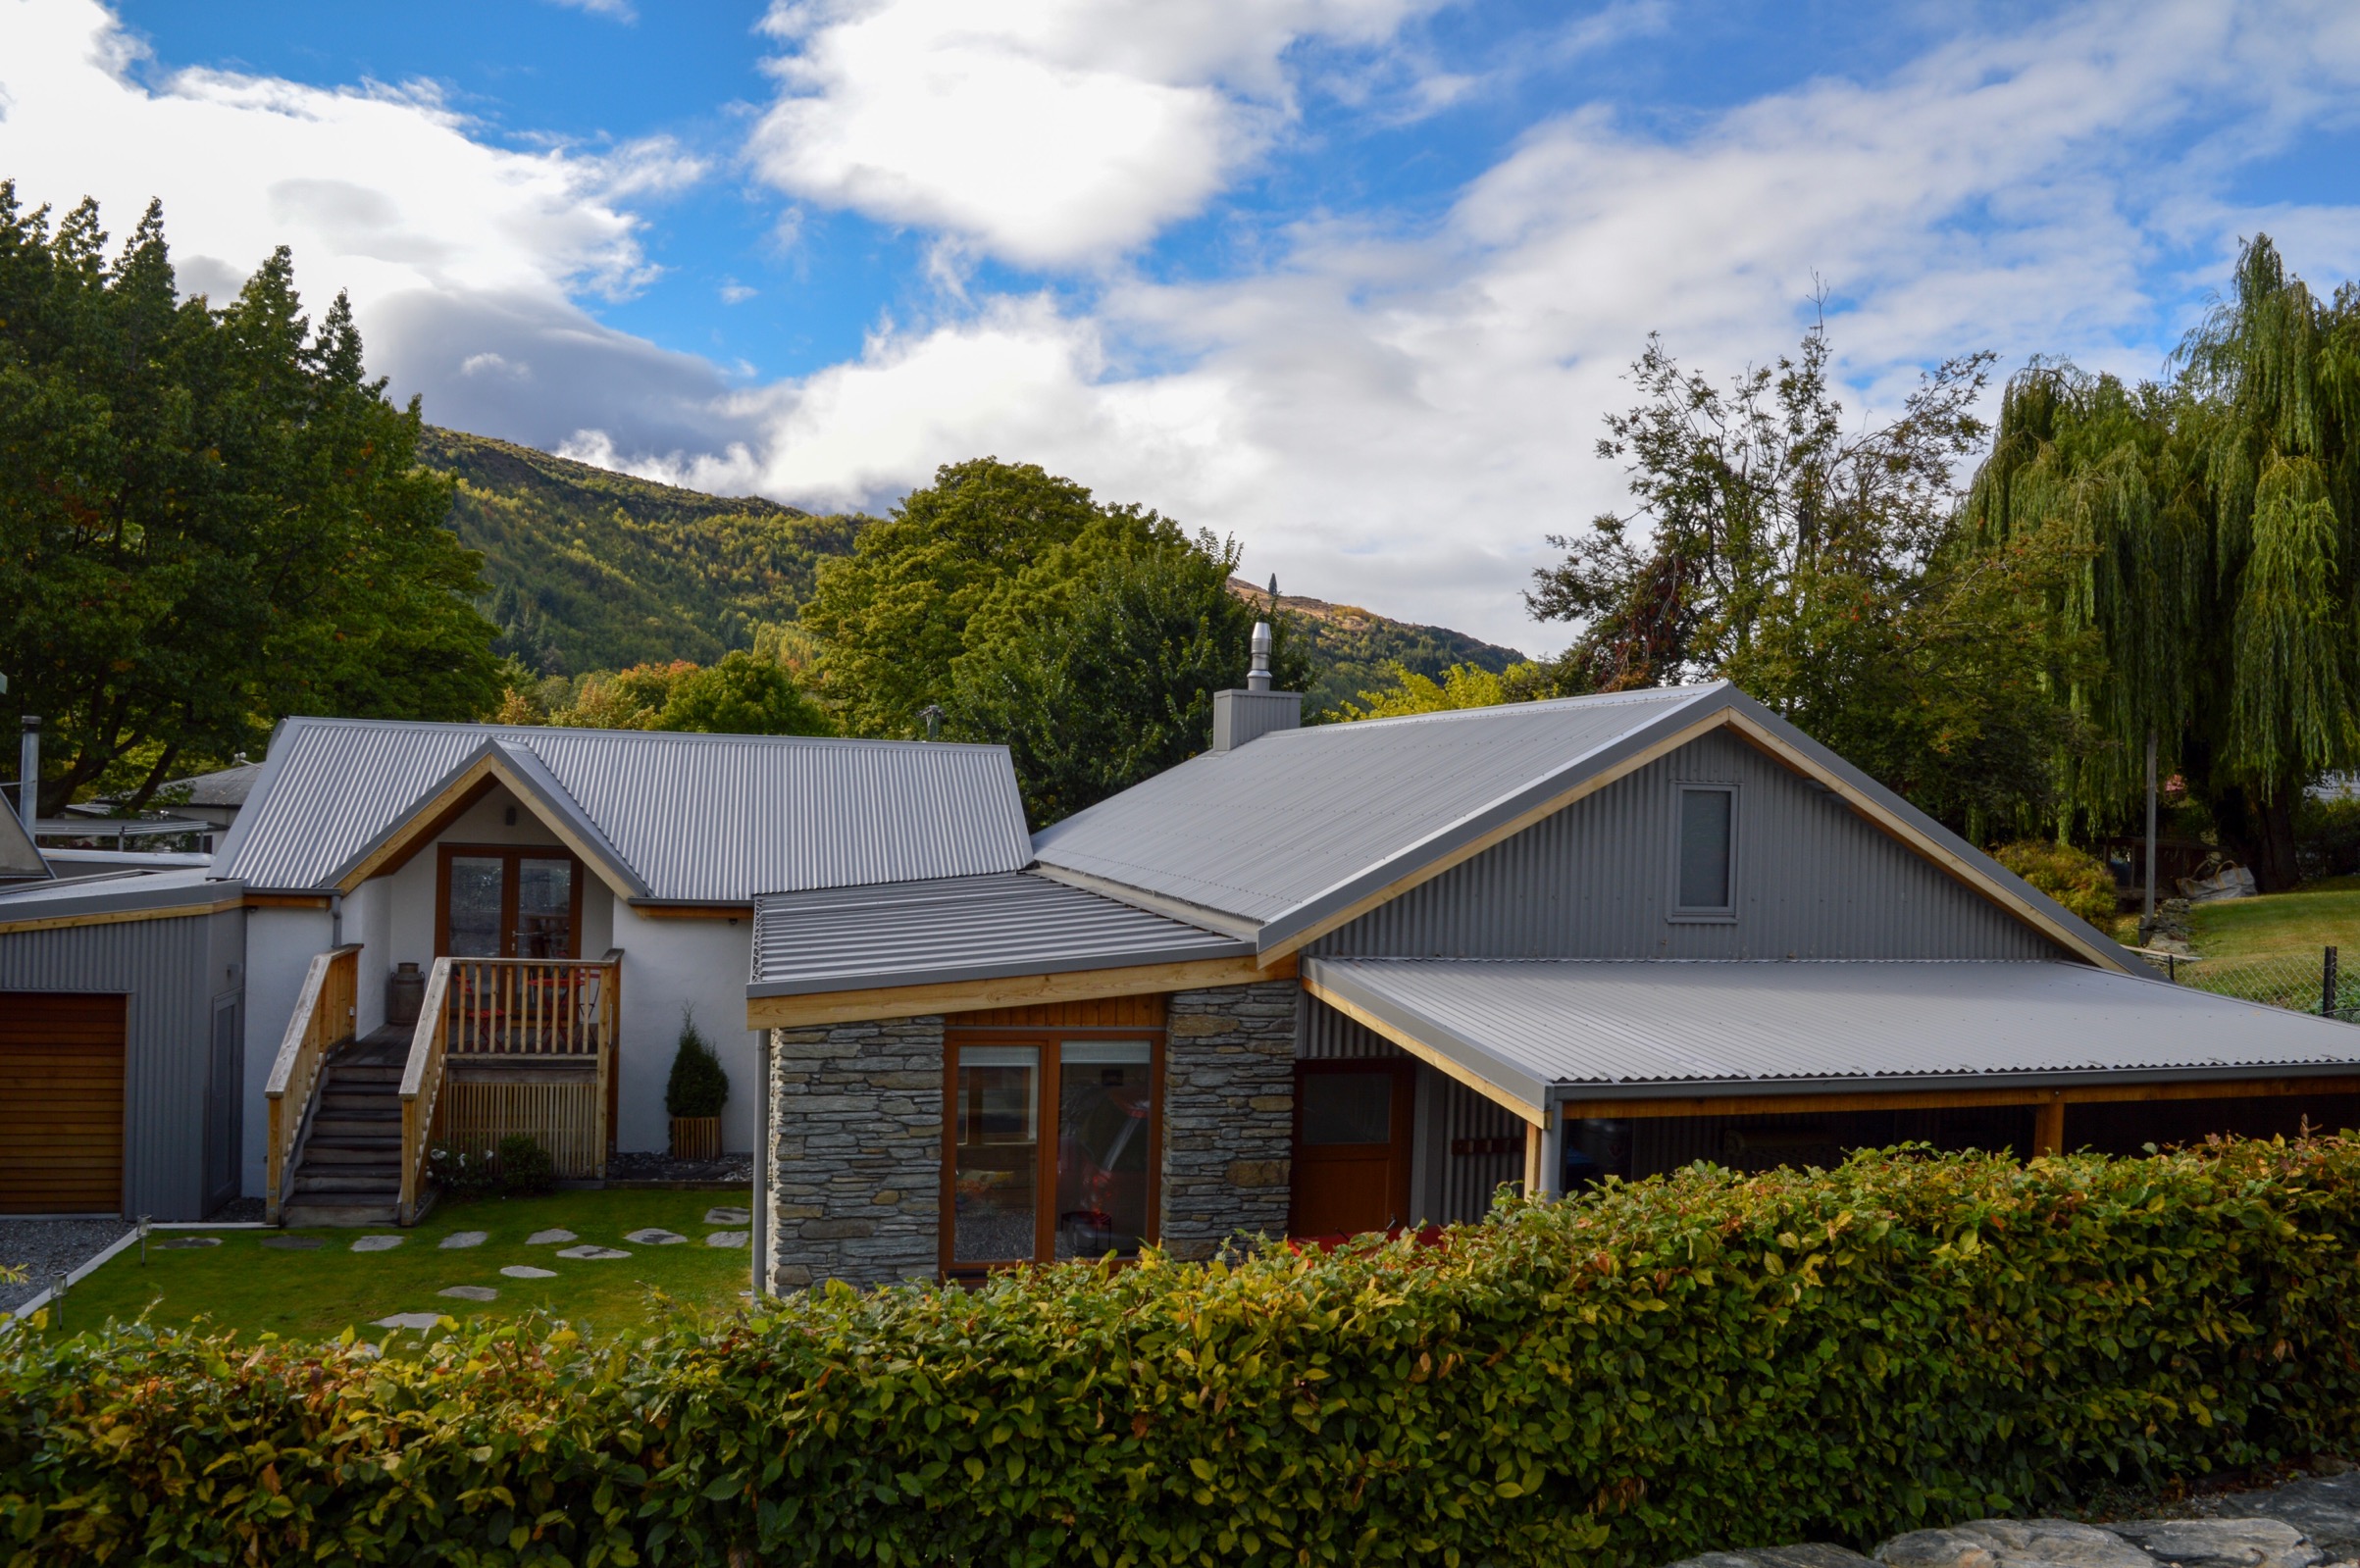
(694, 1095)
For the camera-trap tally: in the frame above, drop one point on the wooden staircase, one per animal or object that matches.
(347, 1164)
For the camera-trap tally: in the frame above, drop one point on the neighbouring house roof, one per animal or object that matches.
(663, 817)
(963, 928)
(123, 894)
(1286, 835)
(224, 788)
(1540, 1031)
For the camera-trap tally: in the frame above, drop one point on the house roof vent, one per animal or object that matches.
(1258, 679)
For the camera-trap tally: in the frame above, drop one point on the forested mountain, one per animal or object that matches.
(1357, 649)
(593, 569)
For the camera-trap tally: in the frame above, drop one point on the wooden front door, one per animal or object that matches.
(61, 1103)
(1353, 1121)
(506, 901)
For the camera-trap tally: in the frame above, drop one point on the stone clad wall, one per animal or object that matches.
(855, 1152)
(1229, 1114)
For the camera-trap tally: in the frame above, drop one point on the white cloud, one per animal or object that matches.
(1399, 419)
(1048, 132)
(456, 254)
(620, 10)
(732, 293)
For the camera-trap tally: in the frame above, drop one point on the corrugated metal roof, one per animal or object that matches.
(17, 856)
(695, 818)
(966, 928)
(1265, 830)
(1640, 1028)
(115, 892)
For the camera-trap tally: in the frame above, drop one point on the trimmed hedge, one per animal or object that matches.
(1703, 1360)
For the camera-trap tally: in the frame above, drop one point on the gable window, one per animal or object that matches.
(1051, 1144)
(500, 901)
(1703, 867)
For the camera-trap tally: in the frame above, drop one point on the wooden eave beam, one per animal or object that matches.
(1440, 1061)
(1017, 991)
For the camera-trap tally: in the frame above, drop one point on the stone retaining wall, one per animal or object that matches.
(2310, 1523)
(1229, 1114)
(855, 1152)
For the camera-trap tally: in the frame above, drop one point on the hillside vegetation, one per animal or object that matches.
(591, 570)
(1355, 650)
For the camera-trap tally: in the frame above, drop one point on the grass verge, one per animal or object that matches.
(2320, 915)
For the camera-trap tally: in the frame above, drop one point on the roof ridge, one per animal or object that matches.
(1586, 700)
(524, 732)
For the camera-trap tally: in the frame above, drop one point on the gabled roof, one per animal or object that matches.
(964, 928)
(1533, 1031)
(661, 817)
(1293, 834)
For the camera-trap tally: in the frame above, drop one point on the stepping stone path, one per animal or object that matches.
(656, 1236)
(410, 1320)
(471, 1292)
(526, 1271)
(550, 1237)
(185, 1244)
(378, 1244)
(593, 1253)
(728, 1217)
(728, 1239)
(459, 1238)
(293, 1244)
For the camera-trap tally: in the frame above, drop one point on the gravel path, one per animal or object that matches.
(47, 1247)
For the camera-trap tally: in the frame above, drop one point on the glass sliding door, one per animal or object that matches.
(501, 902)
(474, 904)
(544, 907)
(996, 1169)
(1050, 1146)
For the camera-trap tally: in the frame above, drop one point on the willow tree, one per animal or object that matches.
(2214, 518)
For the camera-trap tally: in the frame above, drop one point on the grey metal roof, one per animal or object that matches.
(123, 892)
(965, 927)
(227, 787)
(17, 856)
(688, 817)
(1561, 1028)
(1295, 827)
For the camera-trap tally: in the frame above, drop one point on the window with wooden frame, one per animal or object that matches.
(507, 902)
(1053, 1140)
(1704, 859)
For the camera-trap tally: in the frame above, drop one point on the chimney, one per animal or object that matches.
(1242, 715)
(29, 772)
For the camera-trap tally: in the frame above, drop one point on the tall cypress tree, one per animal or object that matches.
(2214, 518)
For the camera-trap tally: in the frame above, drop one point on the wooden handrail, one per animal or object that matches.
(422, 1088)
(322, 1020)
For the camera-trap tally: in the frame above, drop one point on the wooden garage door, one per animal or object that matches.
(61, 1103)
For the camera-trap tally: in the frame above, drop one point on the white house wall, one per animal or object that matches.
(280, 944)
(668, 964)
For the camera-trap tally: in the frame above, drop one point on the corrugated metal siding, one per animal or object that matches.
(1814, 879)
(912, 934)
(1325, 1034)
(1261, 830)
(172, 970)
(1647, 1023)
(1459, 1186)
(698, 818)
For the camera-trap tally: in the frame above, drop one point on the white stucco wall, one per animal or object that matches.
(280, 944)
(669, 964)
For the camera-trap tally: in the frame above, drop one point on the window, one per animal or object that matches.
(1052, 1147)
(501, 902)
(1704, 870)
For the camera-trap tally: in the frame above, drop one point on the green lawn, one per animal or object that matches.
(2319, 915)
(245, 1285)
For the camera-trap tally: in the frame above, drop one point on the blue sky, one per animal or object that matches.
(1350, 280)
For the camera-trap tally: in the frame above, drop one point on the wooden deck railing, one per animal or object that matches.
(510, 1017)
(422, 1088)
(322, 1021)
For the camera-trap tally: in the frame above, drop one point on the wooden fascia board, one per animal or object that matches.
(1016, 991)
(430, 821)
(693, 911)
(286, 900)
(1427, 870)
(1774, 1104)
(1929, 847)
(1440, 1061)
(119, 917)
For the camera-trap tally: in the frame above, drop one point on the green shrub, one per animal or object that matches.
(526, 1169)
(699, 1086)
(461, 1174)
(2327, 836)
(2074, 878)
(1703, 1360)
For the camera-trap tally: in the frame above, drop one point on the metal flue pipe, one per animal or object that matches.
(1258, 679)
(29, 773)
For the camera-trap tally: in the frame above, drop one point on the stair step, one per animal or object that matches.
(369, 1184)
(343, 1102)
(385, 1151)
(296, 1214)
(363, 1124)
(390, 1076)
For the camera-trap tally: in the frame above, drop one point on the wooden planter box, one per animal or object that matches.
(696, 1137)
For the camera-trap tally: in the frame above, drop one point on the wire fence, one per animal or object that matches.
(2311, 981)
